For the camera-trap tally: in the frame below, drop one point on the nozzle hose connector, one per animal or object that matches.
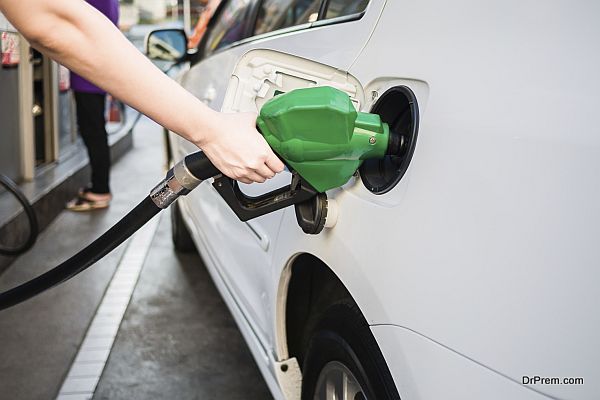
(184, 177)
(167, 191)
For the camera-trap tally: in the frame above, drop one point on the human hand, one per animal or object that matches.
(238, 150)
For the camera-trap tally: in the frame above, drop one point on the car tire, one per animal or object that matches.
(341, 344)
(182, 239)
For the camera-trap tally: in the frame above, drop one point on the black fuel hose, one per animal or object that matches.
(116, 235)
(12, 188)
(180, 180)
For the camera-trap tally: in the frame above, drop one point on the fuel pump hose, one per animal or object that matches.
(180, 180)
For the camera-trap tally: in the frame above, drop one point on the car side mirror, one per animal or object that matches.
(167, 45)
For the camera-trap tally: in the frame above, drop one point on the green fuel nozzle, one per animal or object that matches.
(321, 136)
(323, 140)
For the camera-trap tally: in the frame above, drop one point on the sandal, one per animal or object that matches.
(84, 190)
(81, 203)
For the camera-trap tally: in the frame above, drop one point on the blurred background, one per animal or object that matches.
(40, 149)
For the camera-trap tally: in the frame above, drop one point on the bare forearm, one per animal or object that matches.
(109, 61)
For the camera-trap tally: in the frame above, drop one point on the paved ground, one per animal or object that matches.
(177, 341)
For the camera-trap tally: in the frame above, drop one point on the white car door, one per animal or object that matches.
(242, 252)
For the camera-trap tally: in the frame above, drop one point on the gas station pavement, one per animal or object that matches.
(177, 339)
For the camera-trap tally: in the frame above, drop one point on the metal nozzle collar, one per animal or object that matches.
(184, 176)
(178, 182)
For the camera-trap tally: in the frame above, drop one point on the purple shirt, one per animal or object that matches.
(110, 8)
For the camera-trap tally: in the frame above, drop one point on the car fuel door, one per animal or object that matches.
(262, 74)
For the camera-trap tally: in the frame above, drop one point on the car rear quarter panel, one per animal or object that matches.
(489, 245)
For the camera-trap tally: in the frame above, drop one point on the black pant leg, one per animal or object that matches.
(92, 128)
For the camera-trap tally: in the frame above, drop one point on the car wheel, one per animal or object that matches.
(343, 361)
(182, 239)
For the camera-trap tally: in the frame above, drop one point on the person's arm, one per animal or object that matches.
(78, 36)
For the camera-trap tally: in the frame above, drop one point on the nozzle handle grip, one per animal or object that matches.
(245, 207)
(200, 166)
(249, 207)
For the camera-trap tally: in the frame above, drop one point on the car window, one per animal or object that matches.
(231, 25)
(278, 14)
(339, 8)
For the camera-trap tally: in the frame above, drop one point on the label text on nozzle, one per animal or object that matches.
(179, 182)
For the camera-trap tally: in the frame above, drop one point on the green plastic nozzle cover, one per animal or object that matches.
(318, 132)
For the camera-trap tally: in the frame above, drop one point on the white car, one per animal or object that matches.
(466, 269)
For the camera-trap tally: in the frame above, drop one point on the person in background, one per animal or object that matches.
(90, 102)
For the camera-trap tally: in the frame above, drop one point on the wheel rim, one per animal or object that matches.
(337, 382)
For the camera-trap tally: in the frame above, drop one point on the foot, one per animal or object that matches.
(84, 190)
(88, 201)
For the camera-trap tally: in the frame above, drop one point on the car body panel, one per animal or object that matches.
(483, 259)
(428, 370)
(496, 249)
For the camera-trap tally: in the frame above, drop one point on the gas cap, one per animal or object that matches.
(312, 214)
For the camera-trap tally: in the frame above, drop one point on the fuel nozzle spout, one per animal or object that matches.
(396, 144)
